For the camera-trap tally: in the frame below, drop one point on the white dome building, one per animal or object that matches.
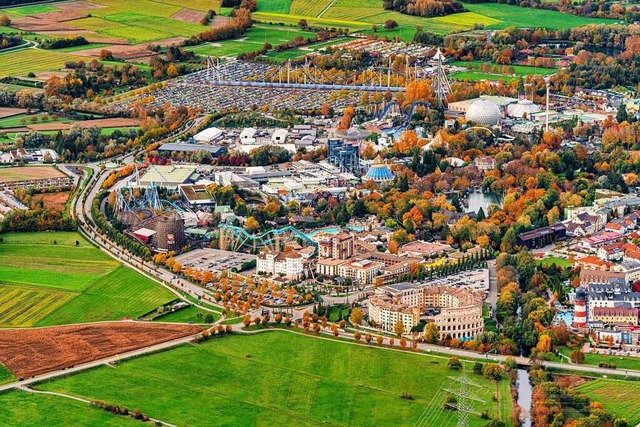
(483, 112)
(523, 109)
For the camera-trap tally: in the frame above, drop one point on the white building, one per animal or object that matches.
(248, 136)
(209, 135)
(288, 264)
(280, 136)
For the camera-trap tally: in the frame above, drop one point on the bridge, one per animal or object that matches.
(308, 75)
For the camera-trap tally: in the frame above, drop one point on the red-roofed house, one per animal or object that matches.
(615, 226)
(592, 262)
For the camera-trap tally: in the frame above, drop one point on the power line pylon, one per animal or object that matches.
(466, 393)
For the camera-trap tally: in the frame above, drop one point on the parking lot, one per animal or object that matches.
(214, 260)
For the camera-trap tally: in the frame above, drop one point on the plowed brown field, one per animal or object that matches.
(30, 352)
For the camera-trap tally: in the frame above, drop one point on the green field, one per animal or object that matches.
(274, 6)
(30, 10)
(558, 261)
(519, 70)
(253, 40)
(45, 283)
(20, 63)
(5, 375)
(187, 315)
(20, 408)
(616, 396)
(277, 378)
(362, 14)
(621, 362)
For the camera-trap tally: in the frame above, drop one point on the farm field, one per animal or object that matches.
(22, 62)
(26, 173)
(237, 375)
(35, 410)
(309, 8)
(68, 283)
(615, 396)
(362, 14)
(35, 351)
(22, 120)
(274, 6)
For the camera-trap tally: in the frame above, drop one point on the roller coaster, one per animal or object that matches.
(234, 238)
(412, 109)
(308, 75)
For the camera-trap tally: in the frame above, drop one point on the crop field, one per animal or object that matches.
(274, 6)
(21, 306)
(272, 378)
(362, 14)
(65, 283)
(616, 396)
(26, 173)
(36, 410)
(35, 351)
(30, 10)
(121, 293)
(526, 17)
(20, 63)
(309, 8)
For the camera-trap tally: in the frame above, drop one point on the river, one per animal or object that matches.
(525, 392)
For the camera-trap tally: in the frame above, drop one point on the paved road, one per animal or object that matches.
(492, 298)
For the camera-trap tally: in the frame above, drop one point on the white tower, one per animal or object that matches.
(440, 82)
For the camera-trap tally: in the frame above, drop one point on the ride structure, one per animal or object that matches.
(233, 238)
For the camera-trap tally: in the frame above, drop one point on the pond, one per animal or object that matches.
(482, 200)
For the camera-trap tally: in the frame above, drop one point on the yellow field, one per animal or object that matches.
(466, 19)
(21, 62)
(24, 307)
(308, 8)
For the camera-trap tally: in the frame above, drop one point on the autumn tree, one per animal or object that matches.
(246, 320)
(431, 333)
(357, 336)
(454, 363)
(356, 317)
(398, 328)
(368, 338)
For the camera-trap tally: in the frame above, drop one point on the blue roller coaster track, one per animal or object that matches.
(266, 236)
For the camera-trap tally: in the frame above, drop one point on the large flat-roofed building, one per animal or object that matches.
(209, 135)
(168, 176)
(196, 195)
(542, 236)
(214, 150)
(460, 314)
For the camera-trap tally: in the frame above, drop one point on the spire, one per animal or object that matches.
(440, 82)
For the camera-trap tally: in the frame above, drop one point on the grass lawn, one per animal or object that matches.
(83, 47)
(621, 362)
(253, 40)
(525, 17)
(45, 283)
(519, 70)
(31, 9)
(274, 6)
(5, 375)
(186, 315)
(277, 378)
(616, 396)
(21, 120)
(35, 410)
(474, 76)
(564, 263)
